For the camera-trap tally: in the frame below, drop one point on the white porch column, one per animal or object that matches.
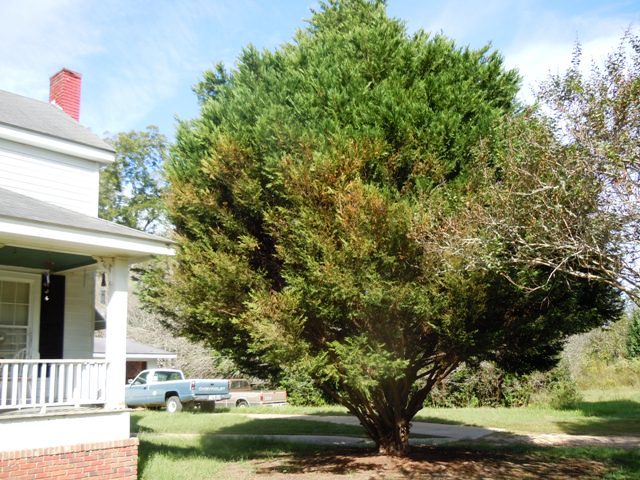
(116, 333)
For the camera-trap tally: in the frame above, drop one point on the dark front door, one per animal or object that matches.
(52, 317)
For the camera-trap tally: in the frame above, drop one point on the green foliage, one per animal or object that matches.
(484, 385)
(561, 390)
(633, 335)
(301, 388)
(600, 358)
(301, 197)
(487, 385)
(608, 343)
(131, 187)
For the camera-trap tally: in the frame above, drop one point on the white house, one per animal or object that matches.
(59, 406)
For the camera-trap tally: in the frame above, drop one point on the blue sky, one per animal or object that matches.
(139, 59)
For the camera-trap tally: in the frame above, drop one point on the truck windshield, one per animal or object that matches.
(141, 379)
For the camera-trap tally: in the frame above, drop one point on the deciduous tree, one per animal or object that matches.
(565, 195)
(131, 187)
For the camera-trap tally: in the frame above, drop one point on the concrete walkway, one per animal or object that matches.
(453, 432)
(442, 433)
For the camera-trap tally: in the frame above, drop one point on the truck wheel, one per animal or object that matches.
(208, 406)
(173, 405)
(242, 404)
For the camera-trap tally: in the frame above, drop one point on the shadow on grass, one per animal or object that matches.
(611, 417)
(469, 460)
(472, 461)
(136, 426)
(285, 410)
(226, 450)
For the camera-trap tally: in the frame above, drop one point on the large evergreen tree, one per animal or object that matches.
(303, 198)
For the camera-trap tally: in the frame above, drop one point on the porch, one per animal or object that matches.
(52, 392)
(39, 385)
(54, 403)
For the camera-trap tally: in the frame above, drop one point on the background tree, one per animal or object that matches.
(570, 202)
(306, 200)
(633, 334)
(131, 194)
(131, 187)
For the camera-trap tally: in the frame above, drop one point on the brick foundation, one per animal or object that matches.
(98, 461)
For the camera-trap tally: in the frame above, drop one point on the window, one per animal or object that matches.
(14, 318)
(240, 385)
(167, 376)
(141, 379)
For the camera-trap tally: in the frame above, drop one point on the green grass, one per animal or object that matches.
(173, 458)
(623, 463)
(289, 410)
(610, 412)
(206, 456)
(615, 412)
(230, 423)
(202, 454)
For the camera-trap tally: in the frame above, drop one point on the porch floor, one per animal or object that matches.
(53, 411)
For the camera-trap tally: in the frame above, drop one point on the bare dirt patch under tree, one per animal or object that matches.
(423, 463)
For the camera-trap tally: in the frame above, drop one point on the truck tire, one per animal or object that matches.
(173, 404)
(242, 404)
(207, 407)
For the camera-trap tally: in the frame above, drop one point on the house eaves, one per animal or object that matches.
(25, 221)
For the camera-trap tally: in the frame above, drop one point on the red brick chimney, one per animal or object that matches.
(64, 91)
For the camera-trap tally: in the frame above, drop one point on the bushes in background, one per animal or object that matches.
(486, 385)
(607, 357)
(633, 335)
(300, 387)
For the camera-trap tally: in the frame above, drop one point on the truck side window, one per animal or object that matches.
(141, 379)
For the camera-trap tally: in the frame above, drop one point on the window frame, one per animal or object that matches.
(34, 280)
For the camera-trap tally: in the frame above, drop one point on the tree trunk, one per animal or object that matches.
(395, 439)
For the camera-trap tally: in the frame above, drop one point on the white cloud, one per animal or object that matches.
(37, 37)
(546, 46)
(535, 37)
(536, 61)
(132, 55)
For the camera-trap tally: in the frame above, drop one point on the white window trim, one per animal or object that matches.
(35, 289)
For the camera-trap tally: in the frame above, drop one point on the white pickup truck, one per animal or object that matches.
(242, 395)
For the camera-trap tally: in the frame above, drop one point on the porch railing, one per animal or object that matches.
(44, 383)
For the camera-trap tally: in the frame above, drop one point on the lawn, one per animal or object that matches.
(611, 412)
(150, 422)
(190, 445)
(209, 457)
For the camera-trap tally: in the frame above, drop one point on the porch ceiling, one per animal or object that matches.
(42, 260)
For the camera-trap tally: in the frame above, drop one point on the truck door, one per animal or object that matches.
(137, 391)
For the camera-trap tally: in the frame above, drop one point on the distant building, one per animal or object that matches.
(139, 356)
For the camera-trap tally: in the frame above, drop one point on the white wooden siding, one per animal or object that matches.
(62, 180)
(79, 312)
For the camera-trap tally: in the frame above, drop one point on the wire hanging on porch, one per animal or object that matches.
(46, 281)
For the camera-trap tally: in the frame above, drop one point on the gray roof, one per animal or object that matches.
(45, 118)
(133, 348)
(22, 207)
